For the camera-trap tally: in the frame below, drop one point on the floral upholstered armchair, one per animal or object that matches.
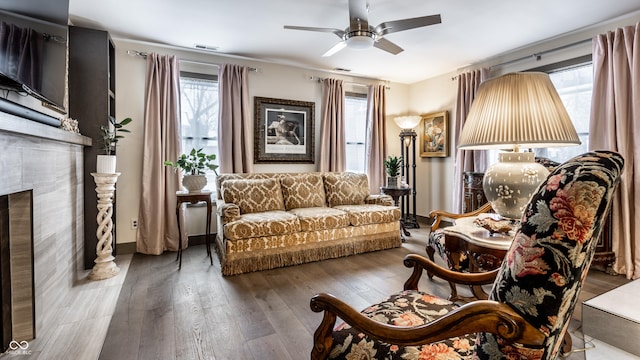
(533, 296)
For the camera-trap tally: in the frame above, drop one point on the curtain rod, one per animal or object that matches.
(143, 55)
(319, 79)
(537, 56)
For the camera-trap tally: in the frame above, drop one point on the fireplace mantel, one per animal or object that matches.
(20, 126)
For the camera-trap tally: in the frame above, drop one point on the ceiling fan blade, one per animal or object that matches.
(338, 32)
(337, 47)
(388, 46)
(358, 17)
(388, 27)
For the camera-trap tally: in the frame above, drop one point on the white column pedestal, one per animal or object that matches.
(105, 267)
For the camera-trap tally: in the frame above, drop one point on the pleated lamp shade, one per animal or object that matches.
(517, 110)
(513, 111)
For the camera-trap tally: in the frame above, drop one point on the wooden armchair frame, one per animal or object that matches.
(439, 215)
(478, 316)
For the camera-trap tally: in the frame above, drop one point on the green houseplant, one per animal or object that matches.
(109, 136)
(392, 165)
(193, 165)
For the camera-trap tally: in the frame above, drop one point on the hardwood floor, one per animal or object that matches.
(196, 313)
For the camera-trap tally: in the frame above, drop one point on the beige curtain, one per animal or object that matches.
(235, 135)
(615, 125)
(376, 141)
(465, 160)
(157, 226)
(332, 140)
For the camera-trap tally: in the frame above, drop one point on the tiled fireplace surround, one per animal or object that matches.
(48, 161)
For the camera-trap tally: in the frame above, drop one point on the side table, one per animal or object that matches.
(484, 251)
(396, 193)
(193, 198)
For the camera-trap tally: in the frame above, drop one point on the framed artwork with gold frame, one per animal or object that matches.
(434, 134)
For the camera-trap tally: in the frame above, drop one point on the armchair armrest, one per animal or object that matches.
(479, 316)
(379, 199)
(227, 212)
(420, 263)
(438, 215)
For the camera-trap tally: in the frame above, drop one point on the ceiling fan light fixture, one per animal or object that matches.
(360, 39)
(360, 42)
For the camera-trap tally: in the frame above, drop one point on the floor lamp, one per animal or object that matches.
(408, 154)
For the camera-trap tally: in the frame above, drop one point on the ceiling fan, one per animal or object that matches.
(361, 35)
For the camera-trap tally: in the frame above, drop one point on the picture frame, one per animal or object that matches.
(284, 130)
(434, 134)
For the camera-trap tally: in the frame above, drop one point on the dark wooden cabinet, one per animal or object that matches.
(473, 194)
(91, 101)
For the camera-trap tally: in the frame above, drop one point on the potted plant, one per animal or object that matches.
(110, 135)
(393, 164)
(194, 164)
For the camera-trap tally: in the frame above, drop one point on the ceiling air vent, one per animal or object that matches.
(205, 47)
(342, 69)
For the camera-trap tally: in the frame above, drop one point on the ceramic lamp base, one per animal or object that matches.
(509, 183)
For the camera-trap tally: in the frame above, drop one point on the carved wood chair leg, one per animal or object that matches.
(430, 253)
(567, 343)
(323, 337)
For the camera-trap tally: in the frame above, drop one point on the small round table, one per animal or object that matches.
(193, 198)
(396, 193)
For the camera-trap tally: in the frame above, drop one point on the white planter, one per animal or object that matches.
(194, 183)
(106, 164)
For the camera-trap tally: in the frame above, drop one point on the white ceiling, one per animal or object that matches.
(471, 30)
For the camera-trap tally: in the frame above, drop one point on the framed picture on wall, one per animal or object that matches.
(434, 135)
(283, 131)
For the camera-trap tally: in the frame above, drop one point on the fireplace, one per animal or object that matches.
(16, 268)
(41, 179)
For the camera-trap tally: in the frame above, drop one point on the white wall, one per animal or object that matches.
(271, 80)
(433, 175)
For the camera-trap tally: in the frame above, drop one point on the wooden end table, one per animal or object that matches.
(484, 251)
(396, 193)
(194, 198)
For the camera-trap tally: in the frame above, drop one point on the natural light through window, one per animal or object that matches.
(199, 117)
(355, 129)
(574, 86)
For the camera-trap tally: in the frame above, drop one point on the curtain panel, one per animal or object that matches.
(615, 125)
(235, 139)
(466, 160)
(376, 140)
(157, 226)
(332, 138)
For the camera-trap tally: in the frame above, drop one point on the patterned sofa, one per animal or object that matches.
(270, 220)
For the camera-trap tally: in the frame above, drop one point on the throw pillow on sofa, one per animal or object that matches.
(303, 191)
(346, 188)
(253, 195)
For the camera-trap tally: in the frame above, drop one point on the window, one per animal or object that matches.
(199, 117)
(355, 130)
(574, 86)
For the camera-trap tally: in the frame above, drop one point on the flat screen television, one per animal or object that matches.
(33, 57)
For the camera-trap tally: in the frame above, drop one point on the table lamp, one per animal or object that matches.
(510, 112)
